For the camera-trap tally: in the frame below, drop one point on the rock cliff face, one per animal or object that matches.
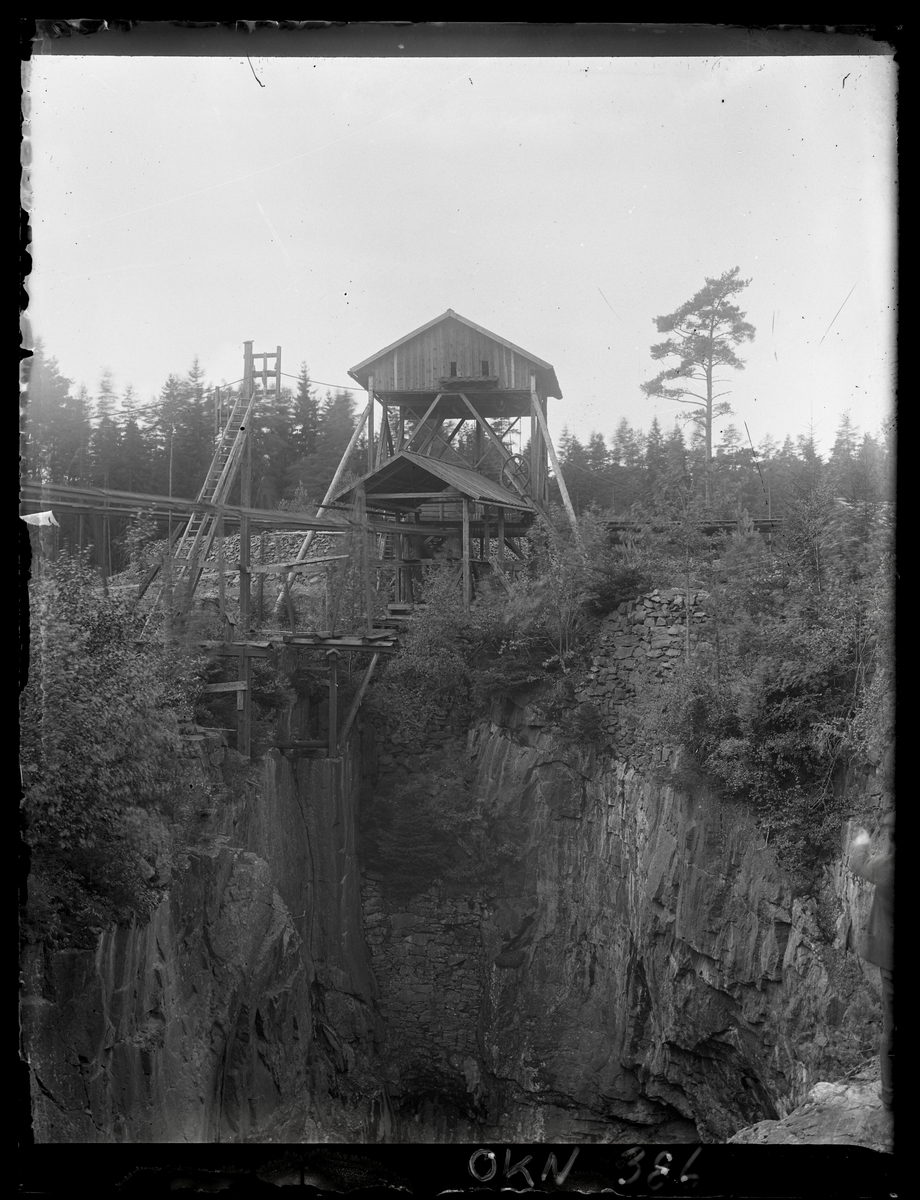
(244, 1007)
(848, 1113)
(641, 970)
(663, 974)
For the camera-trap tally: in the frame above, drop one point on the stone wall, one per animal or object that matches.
(642, 640)
(426, 958)
(399, 752)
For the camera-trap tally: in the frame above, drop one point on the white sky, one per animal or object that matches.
(179, 209)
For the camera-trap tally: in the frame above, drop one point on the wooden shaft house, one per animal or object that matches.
(453, 399)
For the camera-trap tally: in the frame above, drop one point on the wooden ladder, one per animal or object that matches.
(196, 539)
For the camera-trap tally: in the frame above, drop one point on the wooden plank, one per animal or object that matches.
(467, 573)
(237, 685)
(442, 495)
(261, 616)
(500, 574)
(359, 696)
(395, 563)
(339, 472)
(332, 657)
(237, 647)
(292, 564)
(246, 498)
(365, 535)
(244, 707)
(421, 425)
(495, 439)
(301, 744)
(228, 652)
(371, 645)
(286, 588)
(501, 536)
(541, 419)
(434, 432)
(370, 423)
(384, 439)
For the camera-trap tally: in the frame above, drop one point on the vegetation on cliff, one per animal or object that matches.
(106, 787)
(791, 691)
(780, 705)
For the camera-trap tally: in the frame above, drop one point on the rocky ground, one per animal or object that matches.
(848, 1113)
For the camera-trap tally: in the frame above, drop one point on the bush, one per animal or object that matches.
(773, 710)
(100, 741)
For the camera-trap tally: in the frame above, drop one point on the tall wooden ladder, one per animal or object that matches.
(196, 539)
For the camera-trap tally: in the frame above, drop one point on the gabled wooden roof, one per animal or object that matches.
(360, 371)
(407, 472)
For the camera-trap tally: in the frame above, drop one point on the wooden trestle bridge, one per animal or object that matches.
(421, 501)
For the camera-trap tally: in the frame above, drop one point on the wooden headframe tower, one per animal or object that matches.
(444, 405)
(450, 374)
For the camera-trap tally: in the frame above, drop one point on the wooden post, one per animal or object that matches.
(421, 425)
(288, 598)
(467, 578)
(365, 534)
(262, 579)
(485, 427)
(370, 423)
(408, 590)
(332, 658)
(485, 542)
(330, 491)
(246, 498)
(384, 437)
(221, 587)
(399, 553)
(244, 706)
(359, 696)
(400, 429)
(501, 538)
(537, 411)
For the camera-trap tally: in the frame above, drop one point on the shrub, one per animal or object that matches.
(773, 710)
(100, 740)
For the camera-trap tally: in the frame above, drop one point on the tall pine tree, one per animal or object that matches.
(704, 333)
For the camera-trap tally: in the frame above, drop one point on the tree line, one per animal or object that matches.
(658, 473)
(165, 447)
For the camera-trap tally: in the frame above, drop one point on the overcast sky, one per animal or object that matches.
(184, 205)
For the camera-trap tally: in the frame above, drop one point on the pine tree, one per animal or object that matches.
(274, 448)
(810, 475)
(314, 472)
(573, 459)
(305, 417)
(56, 425)
(164, 429)
(627, 445)
(841, 462)
(705, 331)
(655, 459)
(105, 440)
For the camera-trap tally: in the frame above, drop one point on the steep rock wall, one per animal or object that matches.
(664, 973)
(243, 1008)
(641, 969)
